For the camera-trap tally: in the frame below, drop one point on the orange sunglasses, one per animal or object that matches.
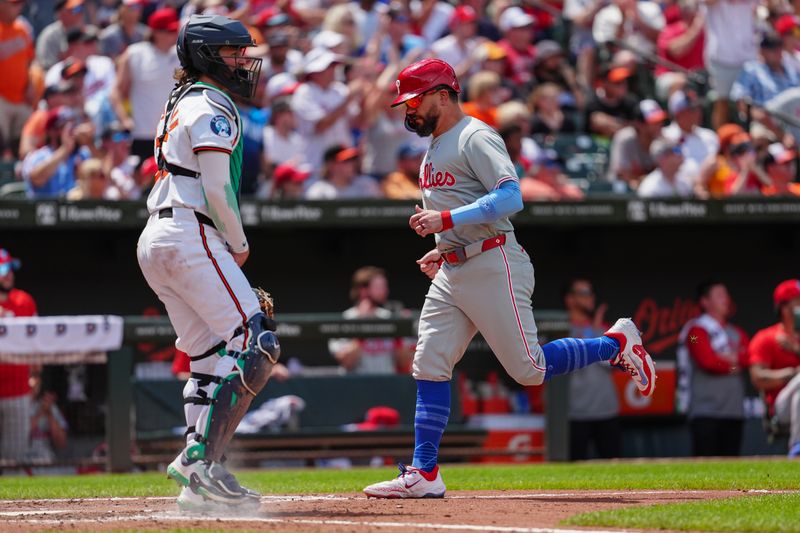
(415, 102)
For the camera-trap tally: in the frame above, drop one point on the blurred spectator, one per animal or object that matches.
(547, 114)
(746, 176)
(52, 42)
(780, 164)
(698, 143)
(494, 58)
(551, 66)
(486, 28)
(629, 24)
(715, 174)
(288, 181)
(15, 408)
(48, 427)
(63, 93)
(340, 179)
(118, 163)
(630, 159)
(729, 42)
(515, 113)
(93, 183)
(324, 106)
(775, 361)
(254, 120)
(382, 126)
(518, 31)
(593, 399)
(461, 48)
(146, 175)
(145, 77)
(16, 90)
(396, 41)
(280, 57)
(403, 183)
(484, 93)
(681, 42)
(50, 170)
(282, 143)
(369, 293)
(581, 43)
(713, 354)
(339, 33)
(611, 106)
(672, 177)
(512, 137)
(126, 29)
(764, 78)
(548, 181)
(788, 28)
(367, 15)
(93, 72)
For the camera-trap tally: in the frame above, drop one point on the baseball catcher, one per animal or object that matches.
(192, 250)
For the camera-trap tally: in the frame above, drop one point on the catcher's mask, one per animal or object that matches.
(199, 43)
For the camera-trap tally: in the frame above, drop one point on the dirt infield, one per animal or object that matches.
(501, 511)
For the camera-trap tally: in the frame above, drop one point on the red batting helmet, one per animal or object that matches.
(422, 76)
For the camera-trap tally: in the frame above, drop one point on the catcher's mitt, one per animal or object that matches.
(265, 301)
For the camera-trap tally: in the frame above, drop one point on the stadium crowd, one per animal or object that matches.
(668, 98)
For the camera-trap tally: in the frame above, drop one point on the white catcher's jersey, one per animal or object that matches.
(461, 165)
(204, 119)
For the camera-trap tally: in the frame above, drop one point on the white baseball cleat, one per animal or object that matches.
(411, 483)
(632, 356)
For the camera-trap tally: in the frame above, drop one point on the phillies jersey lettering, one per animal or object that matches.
(430, 178)
(460, 166)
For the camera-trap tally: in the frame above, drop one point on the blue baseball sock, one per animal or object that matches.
(566, 355)
(433, 411)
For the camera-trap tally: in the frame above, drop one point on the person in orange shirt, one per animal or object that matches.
(64, 93)
(483, 95)
(16, 54)
(779, 164)
(716, 173)
(403, 183)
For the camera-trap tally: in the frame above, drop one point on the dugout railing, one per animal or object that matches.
(129, 443)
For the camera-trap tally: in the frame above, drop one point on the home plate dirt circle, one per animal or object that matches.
(490, 511)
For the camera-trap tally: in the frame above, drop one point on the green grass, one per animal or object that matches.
(766, 513)
(650, 475)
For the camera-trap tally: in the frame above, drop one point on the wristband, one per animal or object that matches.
(447, 221)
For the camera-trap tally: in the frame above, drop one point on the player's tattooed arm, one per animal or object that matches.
(214, 173)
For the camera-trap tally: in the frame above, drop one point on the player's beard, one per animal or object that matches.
(423, 126)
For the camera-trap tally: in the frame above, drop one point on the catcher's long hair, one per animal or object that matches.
(184, 75)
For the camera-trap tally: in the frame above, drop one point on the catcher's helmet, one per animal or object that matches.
(199, 41)
(422, 76)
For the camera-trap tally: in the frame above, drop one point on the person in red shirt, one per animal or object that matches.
(682, 42)
(15, 389)
(775, 362)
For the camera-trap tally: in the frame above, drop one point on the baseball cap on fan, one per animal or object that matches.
(463, 15)
(319, 59)
(778, 153)
(786, 291)
(514, 17)
(290, 173)
(164, 19)
(652, 112)
(8, 263)
(681, 101)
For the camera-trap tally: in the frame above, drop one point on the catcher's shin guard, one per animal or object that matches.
(232, 397)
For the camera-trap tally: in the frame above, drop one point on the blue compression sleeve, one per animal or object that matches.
(498, 203)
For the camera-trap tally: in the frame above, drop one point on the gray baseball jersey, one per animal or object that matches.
(490, 292)
(461, 165)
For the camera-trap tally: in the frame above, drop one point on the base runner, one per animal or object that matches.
(482, 278)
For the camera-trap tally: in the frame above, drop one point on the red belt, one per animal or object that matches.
(461, 254)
